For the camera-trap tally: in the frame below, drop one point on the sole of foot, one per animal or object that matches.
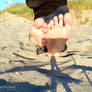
(58, 34)
(36, 32)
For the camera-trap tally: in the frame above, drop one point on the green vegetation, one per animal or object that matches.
(86, 21)
(80, 4)
(20, 10)
(23, 10)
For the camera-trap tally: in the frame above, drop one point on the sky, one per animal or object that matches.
(4, 4)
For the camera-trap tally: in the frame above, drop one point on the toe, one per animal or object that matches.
(68, 24)
(60, 17)
(38, 23)
(45, 28)
(68, 19)
(51, 24)
(68, 31)
(55, 20)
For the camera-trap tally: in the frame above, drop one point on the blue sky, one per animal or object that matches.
(4, 5)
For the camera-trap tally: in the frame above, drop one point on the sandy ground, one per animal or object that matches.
(21, 70)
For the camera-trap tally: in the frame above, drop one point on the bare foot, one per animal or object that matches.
(36, 33)
(58, 34)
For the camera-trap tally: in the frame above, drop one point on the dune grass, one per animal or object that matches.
(79, 5)
(22, 10)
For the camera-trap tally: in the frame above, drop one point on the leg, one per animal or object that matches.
(61, 10)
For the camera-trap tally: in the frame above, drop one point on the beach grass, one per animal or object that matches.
(80, 4)
(22, 10)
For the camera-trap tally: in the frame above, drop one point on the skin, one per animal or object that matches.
(54, 35)
(36, 32)
(58, 34)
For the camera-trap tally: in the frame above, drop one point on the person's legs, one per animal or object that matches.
(56, 35)
(61, 10)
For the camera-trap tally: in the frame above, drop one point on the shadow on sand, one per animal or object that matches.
(54, 74)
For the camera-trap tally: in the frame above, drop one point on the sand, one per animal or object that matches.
(21, 70)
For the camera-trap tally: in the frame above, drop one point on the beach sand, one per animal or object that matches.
(21, 70)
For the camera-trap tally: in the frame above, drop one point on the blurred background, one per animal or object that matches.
(80, 9)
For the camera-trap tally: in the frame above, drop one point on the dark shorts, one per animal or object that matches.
(45, 7)
(48, 8)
